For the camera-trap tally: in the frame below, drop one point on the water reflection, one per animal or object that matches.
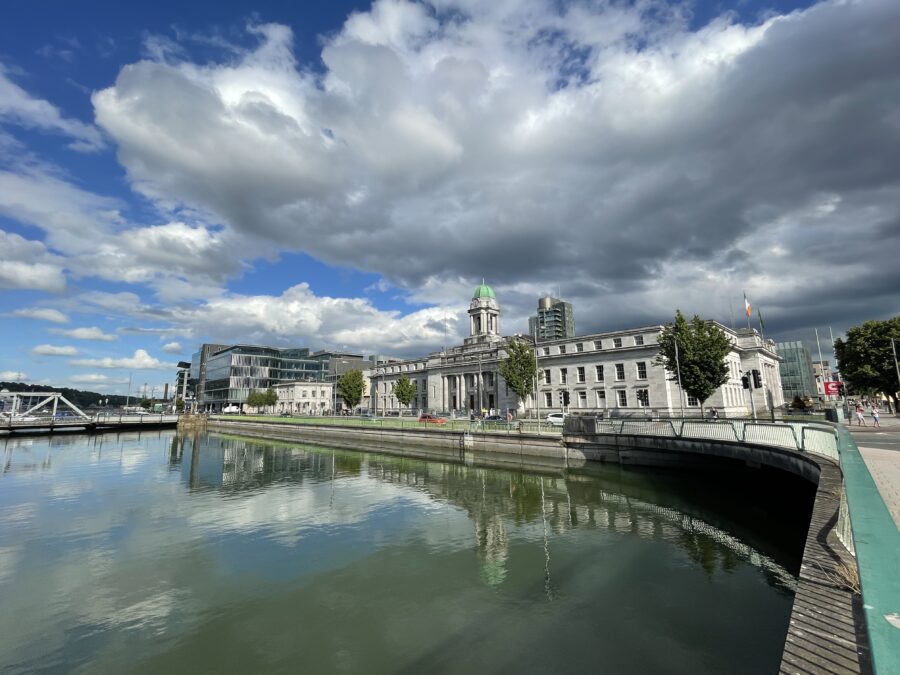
(156, 544)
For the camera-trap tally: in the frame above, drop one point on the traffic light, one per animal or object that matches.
(757, 380)
(840, 388)
(562, 399)
(745, 380)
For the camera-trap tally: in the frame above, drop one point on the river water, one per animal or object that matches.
(155, 553)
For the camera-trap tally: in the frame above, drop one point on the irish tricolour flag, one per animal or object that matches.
(747, 309)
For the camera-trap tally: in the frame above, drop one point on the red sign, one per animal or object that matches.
(832, 388)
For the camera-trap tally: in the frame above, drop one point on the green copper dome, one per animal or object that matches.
(484, 291)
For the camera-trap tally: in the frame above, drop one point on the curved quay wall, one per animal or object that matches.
(827, 632)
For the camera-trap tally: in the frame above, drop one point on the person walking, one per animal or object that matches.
(875, 414)
(860, 420)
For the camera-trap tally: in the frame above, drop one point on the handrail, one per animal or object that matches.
(877, 543)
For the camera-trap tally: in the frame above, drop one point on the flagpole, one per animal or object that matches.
(821, 364)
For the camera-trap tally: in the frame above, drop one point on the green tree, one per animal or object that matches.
(270, 397)
(866, 360)
(702, 348)
(405, 390)
(350, 388)
(145, 403)
(179, 404)
(256, 399)
(519, 368)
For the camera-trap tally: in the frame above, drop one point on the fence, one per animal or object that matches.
(818, 438)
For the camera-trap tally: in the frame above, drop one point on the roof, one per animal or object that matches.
(484, 291)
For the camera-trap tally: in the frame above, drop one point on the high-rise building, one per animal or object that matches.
(797, 376)
(555, 320)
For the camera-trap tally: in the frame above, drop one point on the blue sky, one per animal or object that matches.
(341, 175)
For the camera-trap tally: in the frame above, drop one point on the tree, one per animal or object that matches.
(270, 397)
(702, 348)
(350, 388)
(256, 399)
(145, 403)
(866, 360)
(179, 404)
(519, 368)
(405, 390)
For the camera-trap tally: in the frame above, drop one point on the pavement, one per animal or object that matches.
(880, 449)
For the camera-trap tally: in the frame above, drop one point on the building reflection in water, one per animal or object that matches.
(494, 499)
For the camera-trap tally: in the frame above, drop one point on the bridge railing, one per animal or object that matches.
(819, 438)
(51, 422)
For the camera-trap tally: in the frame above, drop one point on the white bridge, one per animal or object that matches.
(55, 411)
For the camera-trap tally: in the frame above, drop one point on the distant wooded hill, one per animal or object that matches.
(83, 399)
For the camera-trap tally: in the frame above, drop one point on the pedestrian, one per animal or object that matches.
(715, 414)
(860, 420)
(875, 414)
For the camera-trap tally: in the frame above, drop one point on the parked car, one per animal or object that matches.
(428, 418)
(495, 418)
(556, 419)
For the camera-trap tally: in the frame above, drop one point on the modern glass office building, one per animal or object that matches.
(797, 377)
(230, 373)
(555, 320)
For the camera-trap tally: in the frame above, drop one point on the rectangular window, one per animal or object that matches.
(638, 340)
(548, 400)
(598, 344)
(562, 349)
(599, 373)
(579, 347)
(641, 370)
(693, 402)
(620, 371)
(623, 398)
(582, 399)
(547, 376)
(564, 376)
(617, 342)
(546, 351)
(643, 398)
(601, 399)
(580, 373)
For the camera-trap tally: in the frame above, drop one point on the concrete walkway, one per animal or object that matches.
(880, 448)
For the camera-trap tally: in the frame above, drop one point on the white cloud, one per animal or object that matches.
(54, 350)
(608, 146)
(13, 376)
(87, 333)
(27, 264)
(97, 378)
(141, 360)
(42, 313)
(17, 106)
(173, 348)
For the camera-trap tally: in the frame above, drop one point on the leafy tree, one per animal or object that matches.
(179, 404)
(519, 368)
(270, 397)
(702, 348)
(145, 403)
(405, 390)
(350, 388)
(256, 399)
(866, 360)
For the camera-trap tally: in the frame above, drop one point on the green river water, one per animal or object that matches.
(154, 553)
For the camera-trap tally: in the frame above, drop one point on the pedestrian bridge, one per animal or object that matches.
(43, 412)
(825, 635)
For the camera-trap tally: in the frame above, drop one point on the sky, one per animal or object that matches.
(342, 175)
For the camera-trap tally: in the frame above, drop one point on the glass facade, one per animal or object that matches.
(232, 373)
(797, 378)
(555, 319)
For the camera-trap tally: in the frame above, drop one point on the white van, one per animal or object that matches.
(231, 409)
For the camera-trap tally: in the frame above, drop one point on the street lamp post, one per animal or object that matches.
(680, 390)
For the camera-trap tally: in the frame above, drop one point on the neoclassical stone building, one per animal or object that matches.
(611, 372)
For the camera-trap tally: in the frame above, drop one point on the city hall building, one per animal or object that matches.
(611, 373)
